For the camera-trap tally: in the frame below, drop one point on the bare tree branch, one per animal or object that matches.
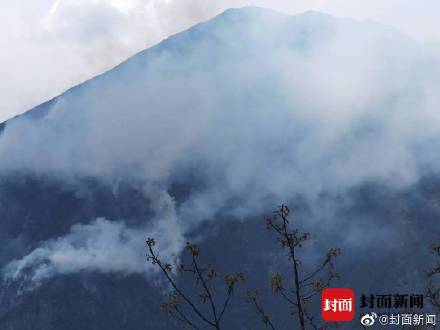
(208, 292)
(202, 276)
(292, 240)
(155, 260)
(253, 297)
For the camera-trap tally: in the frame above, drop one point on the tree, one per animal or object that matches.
(296, 290)
(433, 292)
(205, 278)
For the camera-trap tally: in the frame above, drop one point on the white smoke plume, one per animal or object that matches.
(49, 45)
(257, 106)
(102, 246)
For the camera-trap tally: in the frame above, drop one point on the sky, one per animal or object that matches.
(47, 46)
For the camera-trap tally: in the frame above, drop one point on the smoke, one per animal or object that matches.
(49, 45)
(102, 246)
(99, 246)
(247, 110)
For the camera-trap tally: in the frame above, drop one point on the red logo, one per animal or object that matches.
(337, 305)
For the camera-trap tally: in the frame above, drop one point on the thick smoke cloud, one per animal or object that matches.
(49, 45)
(248, 110)
(102, 246)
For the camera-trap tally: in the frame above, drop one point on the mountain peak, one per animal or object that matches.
(257, 10)
(242, 29)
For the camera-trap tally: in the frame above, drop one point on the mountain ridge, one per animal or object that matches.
(40, 110)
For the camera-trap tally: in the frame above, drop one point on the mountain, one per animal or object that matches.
(200, 138)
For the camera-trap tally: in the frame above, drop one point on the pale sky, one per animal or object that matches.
(48, 46)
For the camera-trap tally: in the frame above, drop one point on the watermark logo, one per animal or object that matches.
(337, 305)
(389, 301)
(368, 319)
(407, 319)
(384, 302)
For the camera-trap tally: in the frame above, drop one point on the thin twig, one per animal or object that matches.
(173, 284)
(202, 280)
